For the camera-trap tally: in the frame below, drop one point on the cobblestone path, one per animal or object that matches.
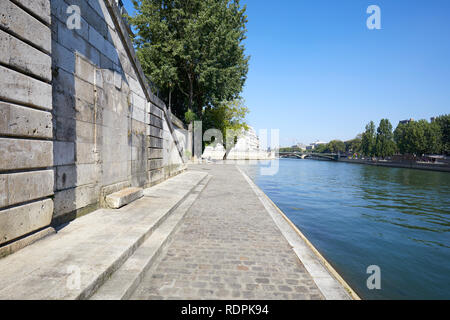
(228, 247)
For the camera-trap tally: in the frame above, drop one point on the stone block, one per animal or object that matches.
(21, 220)
(156, 122)
(85, 70)
(25, 186)
(17, 21)
(84, 90)
(25, 154)
(63, 58)
(20, 88)
(156, 132)
(73, 199)
(64, 152)
(87, 153)
(76, 175)
(156, 143)
(99, 42)
(154, 110)
(119, 199)
(21, 121)
(23, 57)
(40, 8)
(76, 43)
(155, 153)
(156, 175)
(155, 164)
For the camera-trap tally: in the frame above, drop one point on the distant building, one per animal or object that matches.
(406, 121)
(314, 145)
(247, 147)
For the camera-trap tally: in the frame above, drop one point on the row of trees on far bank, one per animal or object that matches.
(411, 138)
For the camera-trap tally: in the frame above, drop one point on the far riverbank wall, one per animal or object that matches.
(406, 165)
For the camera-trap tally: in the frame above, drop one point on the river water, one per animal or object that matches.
(360, 215)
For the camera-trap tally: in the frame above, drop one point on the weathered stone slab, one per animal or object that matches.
(155, 153)
(156, 122)
(40, 8)
(84, 90)
(104, 46)
(156, 111)
(17, 221)
(20, 88)
(156, 175)
(25, 186)
(24, 154)
(64, 152)
(156, 132)
(155, 164)
(156, 142)
(76, 43)
(63, 57)
(73, 199)
(18, 21)
(16, 120)
(85, 70)
(76, 175)
(21, 243)
(18, 54)
(123, 197)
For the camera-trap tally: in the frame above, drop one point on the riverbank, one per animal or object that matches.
(405, 164)
(208, 233)
(234, 244)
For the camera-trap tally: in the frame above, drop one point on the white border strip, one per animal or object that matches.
(329, 282)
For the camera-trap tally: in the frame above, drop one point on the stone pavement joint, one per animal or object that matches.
(228, 247)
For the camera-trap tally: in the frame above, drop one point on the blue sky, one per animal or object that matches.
(317, 72)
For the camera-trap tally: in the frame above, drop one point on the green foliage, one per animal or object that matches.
(353, 145)
(189, 116)
(418, 137)
(321, 148)
(368, 140)
(335, 146)
(444, 124)
(228, 115)
(192, 50)
(384, 143)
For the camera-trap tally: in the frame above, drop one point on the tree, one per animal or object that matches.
(401, 138)
(192, 50)
(385, 145)
(444, 124)
(368, 140)
(228, 115)
(353, 145)
(433, 137)
(336, 146)
(418, 137)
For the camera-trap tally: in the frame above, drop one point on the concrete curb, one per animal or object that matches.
(327, 279)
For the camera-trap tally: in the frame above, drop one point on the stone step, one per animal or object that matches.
(76, 261)
(123, 197)
(125, 280)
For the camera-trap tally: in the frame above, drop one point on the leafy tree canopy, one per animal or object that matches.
(192, 50)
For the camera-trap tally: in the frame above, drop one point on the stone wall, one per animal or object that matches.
(77, 118)
(26, 128)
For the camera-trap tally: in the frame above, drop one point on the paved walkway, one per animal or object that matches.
(228, 248)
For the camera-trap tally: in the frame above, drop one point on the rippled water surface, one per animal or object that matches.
(358, 215)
